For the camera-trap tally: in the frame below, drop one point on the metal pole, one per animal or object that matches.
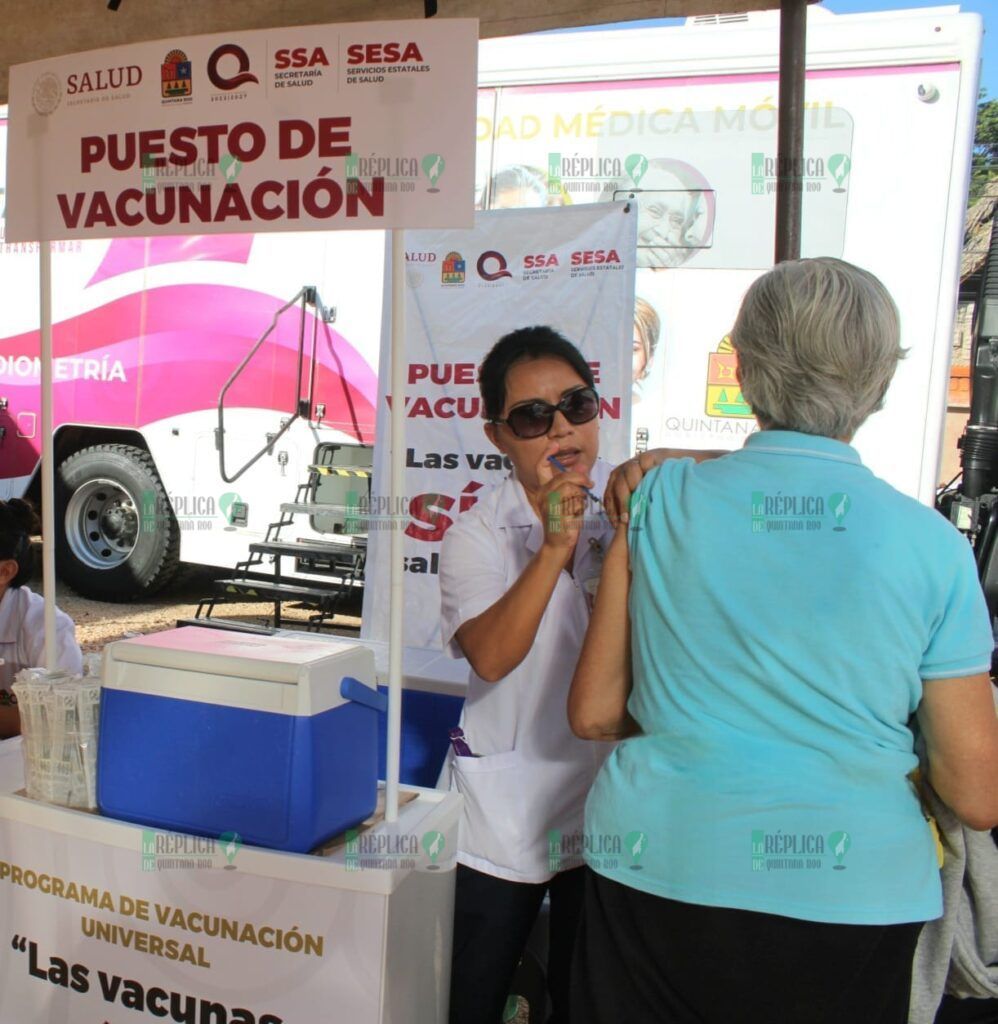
(48, 455)
(397, 589)
(790, 139)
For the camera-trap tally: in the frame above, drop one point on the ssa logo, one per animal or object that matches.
(540, 266)
(175, 76)
(223, 74)
(492, 266)
(452, 269)
(300, 57)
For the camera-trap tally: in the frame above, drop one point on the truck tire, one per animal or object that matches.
(117, 537)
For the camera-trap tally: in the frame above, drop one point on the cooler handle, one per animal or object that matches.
(355, 690)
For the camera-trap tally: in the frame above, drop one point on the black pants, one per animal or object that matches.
(492, 922)
(967, 1011)
(641, 959)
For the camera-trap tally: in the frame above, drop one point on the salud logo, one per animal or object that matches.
(839, 505)
(839, 843)
(433, 167)
(839, 166)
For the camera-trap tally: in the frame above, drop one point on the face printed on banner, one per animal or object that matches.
(647, 328)
(548, 380)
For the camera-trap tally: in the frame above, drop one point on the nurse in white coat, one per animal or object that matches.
(518, 573)
(22, 613)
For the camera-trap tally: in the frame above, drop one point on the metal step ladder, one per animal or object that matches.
(338, 561)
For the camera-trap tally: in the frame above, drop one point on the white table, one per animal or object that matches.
(11, 765)
(374, 919)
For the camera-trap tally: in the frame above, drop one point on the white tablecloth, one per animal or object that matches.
(11, 766)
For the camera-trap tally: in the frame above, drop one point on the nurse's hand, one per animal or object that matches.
(624, 480)
(561, 502)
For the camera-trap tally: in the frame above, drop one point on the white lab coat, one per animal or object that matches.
(534, 774)
(22, 636)
(22, 645)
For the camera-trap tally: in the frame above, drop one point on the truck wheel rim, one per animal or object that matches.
(102, 524)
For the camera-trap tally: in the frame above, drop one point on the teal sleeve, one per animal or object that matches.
(646, 504)
(962, 639)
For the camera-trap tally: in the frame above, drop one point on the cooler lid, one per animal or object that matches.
(277, 659)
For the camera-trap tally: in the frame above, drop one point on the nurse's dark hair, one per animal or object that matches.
(515, 347)
(18, 521)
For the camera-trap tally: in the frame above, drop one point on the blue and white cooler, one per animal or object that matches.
(209, 731)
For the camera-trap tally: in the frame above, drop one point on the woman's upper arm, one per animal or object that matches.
(957, 717)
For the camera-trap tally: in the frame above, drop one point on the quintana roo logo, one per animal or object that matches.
(243, 75)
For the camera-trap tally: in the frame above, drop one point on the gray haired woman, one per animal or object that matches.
(765, 635)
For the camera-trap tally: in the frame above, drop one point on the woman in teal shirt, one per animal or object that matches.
(757, 850)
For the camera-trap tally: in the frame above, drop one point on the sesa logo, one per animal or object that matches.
(383, 53)
(540, 261)
(492, 266)
(592, 257)
(300, 57)
(223, 74)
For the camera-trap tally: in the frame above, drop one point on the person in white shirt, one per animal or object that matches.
(518, 573)
(22, 612)
(518, 578)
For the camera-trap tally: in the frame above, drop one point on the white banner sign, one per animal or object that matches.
(162, 926)
(366, 125)
(571, 268)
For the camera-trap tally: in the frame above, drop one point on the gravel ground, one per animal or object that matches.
(100, 622)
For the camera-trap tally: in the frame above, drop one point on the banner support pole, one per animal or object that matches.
(48, 454)
(397, 487)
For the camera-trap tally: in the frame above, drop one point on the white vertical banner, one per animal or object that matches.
(569, 268)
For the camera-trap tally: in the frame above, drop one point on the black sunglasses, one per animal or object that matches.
(532, 419)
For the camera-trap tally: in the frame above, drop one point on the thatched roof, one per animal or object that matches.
(977, 232)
